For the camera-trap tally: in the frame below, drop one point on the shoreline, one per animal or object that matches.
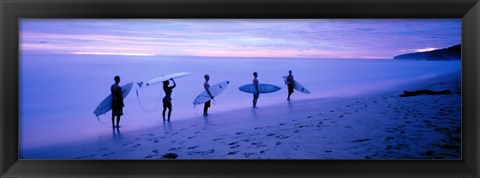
(324, 128)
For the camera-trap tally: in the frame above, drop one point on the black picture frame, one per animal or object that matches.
(12, 10)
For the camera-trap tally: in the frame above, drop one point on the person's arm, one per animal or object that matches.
(174, 84)
(121, 95)
(293, 81)
(206, 86)
(256, 86)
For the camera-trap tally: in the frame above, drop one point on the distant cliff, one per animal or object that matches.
(451, 53)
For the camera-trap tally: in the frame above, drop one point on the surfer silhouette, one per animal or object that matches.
(117, 101)
(207, 86)
(257, 93)
(290, 84)
(167, 100)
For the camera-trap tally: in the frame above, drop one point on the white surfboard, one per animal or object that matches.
(297, 86)
(163, 78)
(215, 90)
(262, 88)
(106, 104)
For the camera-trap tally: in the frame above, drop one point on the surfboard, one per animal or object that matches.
(215, 90)
(297, 86)
(262, 87)
(163, 78)
(106, 104)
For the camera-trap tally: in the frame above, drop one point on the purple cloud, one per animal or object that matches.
(305, 38)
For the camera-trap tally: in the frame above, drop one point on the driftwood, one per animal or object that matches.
(425, 92)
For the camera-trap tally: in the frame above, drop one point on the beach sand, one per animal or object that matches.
(376, 125)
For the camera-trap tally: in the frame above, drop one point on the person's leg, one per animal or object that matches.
(205, 107)
(169, 111)
(163, 112)
(113, 120)
(118, 120)
(290, 91)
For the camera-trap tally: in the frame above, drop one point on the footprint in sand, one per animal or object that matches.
(389, 138)
(236, 146)
(350, 127)
(217, 139)
(361, 140)
(256, 128)
(156, 141)
(278, 143)
(191, 137)
(282, 124)
(282, 137)
(309, 116)
(239, 133)
(270, 134)
(104, 155)
(192, 147)
(203, 153)
(196, 132)
(341, 116)
(232, 153)
(147, 157)
(302, 126)
(247, 155)
(155, 151)
(233, 143)
(137, 145)
(328, 151)
(173, 149)
(296, 131)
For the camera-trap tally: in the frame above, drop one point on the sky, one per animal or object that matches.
(289, 38)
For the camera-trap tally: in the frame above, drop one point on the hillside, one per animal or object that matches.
(450, 53)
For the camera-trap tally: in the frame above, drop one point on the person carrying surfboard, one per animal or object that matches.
(167, 100)
(290, 84)
(117, 101)
(207, 86)
(257, 93)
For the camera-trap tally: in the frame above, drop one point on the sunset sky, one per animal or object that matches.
(297, 38)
